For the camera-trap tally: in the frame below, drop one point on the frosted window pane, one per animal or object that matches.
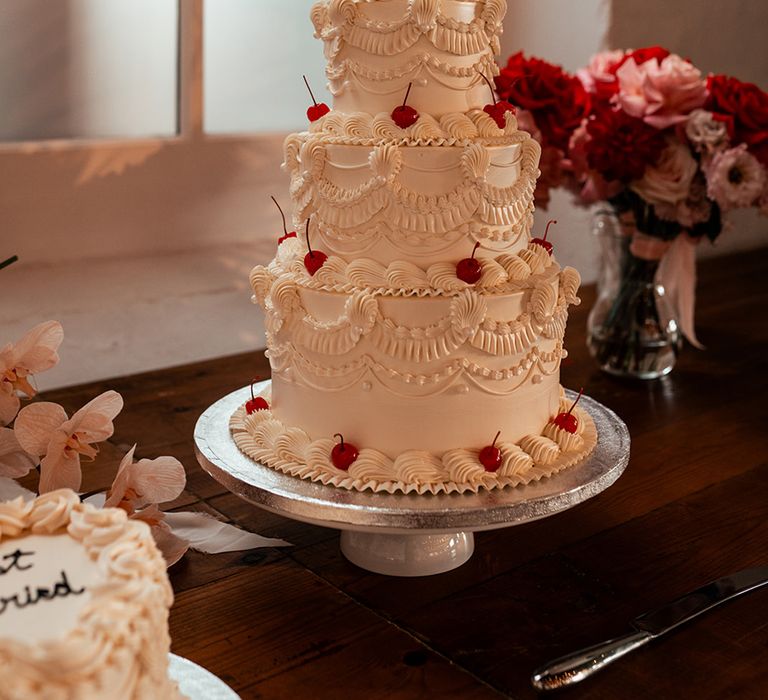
(88, 68)
(255, 54)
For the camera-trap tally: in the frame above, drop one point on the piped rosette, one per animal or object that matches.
(500, 274)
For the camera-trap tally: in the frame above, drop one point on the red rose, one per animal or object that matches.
(557, 100)
(744, 107)
(620, 147)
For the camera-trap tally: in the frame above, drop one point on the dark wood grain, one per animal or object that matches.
(692, 506)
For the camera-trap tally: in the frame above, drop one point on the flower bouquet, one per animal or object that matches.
(669, 150)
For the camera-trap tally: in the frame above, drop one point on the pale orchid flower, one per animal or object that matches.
(36, 352)
(148, 481)
(14, 461)
(44, 430)
(171, 546)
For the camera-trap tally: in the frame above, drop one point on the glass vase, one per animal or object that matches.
(632, 330)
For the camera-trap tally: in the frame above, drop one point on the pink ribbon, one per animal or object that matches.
(677, 274)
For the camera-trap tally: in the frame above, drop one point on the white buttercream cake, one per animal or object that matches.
(382, 343)
(84, 599)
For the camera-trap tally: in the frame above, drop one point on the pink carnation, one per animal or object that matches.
(735, 178)
(661, 93)
(599, 77)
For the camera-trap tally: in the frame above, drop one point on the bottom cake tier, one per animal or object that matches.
(289, 449)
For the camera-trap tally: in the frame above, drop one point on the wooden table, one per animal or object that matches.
(692, 506)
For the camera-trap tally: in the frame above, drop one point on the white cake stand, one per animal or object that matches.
(196, 683)
(398, 534)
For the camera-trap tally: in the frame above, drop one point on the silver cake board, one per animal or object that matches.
(406, 534)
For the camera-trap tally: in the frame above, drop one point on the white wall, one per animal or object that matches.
(85, 68)
(255, 54)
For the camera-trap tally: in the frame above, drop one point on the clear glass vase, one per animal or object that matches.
(632, 330)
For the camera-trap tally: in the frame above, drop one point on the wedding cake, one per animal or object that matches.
(414, 327)
(84, 599)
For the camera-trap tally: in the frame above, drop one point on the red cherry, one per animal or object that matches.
(490, 456)
(543, 242)
(567, 421)
(498, 110)
(255, 403)
(469, 270)
(343, 454)
(405, 116)
(285, 235)
(319, 109)
(314, 259)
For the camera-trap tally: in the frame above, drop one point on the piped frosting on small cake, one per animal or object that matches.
(84, 599)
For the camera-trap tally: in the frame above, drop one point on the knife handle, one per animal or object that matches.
(581, 664)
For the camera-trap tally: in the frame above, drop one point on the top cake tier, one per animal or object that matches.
(375, 48)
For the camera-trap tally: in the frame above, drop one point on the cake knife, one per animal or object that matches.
(581, 664)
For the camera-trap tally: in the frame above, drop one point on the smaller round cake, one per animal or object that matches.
(84, 600)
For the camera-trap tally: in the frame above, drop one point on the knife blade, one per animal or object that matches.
(579, 665)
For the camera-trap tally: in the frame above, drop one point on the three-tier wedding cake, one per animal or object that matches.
(414, 328)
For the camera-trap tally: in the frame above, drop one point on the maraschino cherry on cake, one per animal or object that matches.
(419, 318)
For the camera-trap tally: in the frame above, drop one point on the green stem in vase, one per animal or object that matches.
(9, 261)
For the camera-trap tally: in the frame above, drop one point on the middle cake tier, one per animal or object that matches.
(400, 373)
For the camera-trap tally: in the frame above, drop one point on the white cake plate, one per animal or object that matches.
(399, 534)
(196, 683)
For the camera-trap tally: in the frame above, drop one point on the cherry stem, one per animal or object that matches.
(256, 379)
(10, 261)
(309, 247)
(490, 87)
(576, 401)
(549, 223)
(280, 209)
(493, 444)
(306, 82)
(408, 92)
(474, 250)
(341, 437)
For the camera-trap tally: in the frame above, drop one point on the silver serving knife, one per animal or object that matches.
(575, 667)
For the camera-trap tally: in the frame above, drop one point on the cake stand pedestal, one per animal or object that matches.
(406, 534)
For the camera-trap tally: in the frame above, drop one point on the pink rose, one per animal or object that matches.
(669, 180)
(661, 93)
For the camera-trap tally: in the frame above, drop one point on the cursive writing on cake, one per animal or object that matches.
(32, 595)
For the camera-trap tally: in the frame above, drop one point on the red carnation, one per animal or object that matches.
(744, 108)
(557, 100)
(644, 55)
(620, 147)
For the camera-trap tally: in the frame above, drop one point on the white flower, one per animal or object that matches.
(705, 132)
(735, 178)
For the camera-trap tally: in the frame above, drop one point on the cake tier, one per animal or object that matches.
(289, 449)
(85, 599)
(393, 202)
(407, 372)
(376, 48)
